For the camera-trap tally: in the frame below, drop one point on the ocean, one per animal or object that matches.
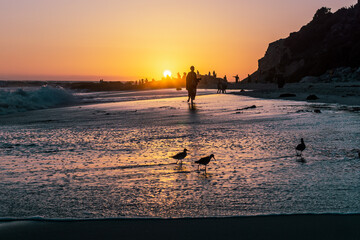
(77, 155)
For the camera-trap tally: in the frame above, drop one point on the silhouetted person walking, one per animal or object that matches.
(191, 84)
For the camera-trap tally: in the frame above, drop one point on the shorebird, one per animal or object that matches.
(180, 156)
(204, 161)
(301, 147)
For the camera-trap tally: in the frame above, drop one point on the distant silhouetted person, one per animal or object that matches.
(214, 74)
(222, 85)
(300, 148)
(191, 84)
(219, 86)
(236, 78)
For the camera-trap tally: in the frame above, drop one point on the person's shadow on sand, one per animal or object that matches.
(192, 107)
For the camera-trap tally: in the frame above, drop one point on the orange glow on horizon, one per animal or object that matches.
(167, 73)
(130, 40)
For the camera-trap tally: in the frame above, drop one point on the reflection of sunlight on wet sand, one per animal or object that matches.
(118, 164)
(181, 168)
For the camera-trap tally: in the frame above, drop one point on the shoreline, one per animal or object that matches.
(343, 93)
(299, 226)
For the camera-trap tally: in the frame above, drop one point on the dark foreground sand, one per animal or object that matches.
(258, 227)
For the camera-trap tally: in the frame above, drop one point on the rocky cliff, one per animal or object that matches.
(329, 41)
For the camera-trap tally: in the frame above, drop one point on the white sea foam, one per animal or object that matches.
(21, 100)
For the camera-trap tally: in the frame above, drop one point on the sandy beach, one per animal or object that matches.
(345, 93)
(165, 120)
(121, 184)
(256, 227)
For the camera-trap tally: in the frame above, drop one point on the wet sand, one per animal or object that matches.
(112, 159)
(256, 227)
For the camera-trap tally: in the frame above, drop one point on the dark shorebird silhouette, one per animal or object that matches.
(204, 161)
(180, 156)
(300, 148)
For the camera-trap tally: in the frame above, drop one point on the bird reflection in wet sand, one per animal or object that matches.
(301, 159)
(180, 156)
(181, 168)
(204, 161)
(300, 148)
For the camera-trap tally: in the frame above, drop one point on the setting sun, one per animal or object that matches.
(167, 73)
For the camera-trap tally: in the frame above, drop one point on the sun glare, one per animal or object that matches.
(167, 73)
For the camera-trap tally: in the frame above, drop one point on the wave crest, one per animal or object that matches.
(22, 100)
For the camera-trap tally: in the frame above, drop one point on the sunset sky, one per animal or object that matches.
(129, 40)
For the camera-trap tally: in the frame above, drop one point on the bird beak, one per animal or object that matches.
(214, 158)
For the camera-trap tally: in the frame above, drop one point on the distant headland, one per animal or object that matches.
(329, 41)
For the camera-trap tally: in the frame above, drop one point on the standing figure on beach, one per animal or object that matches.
(224, 85)
(219, 86)
(191, 84)
(236, 78)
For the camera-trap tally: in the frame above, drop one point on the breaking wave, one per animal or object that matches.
(21, 100)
